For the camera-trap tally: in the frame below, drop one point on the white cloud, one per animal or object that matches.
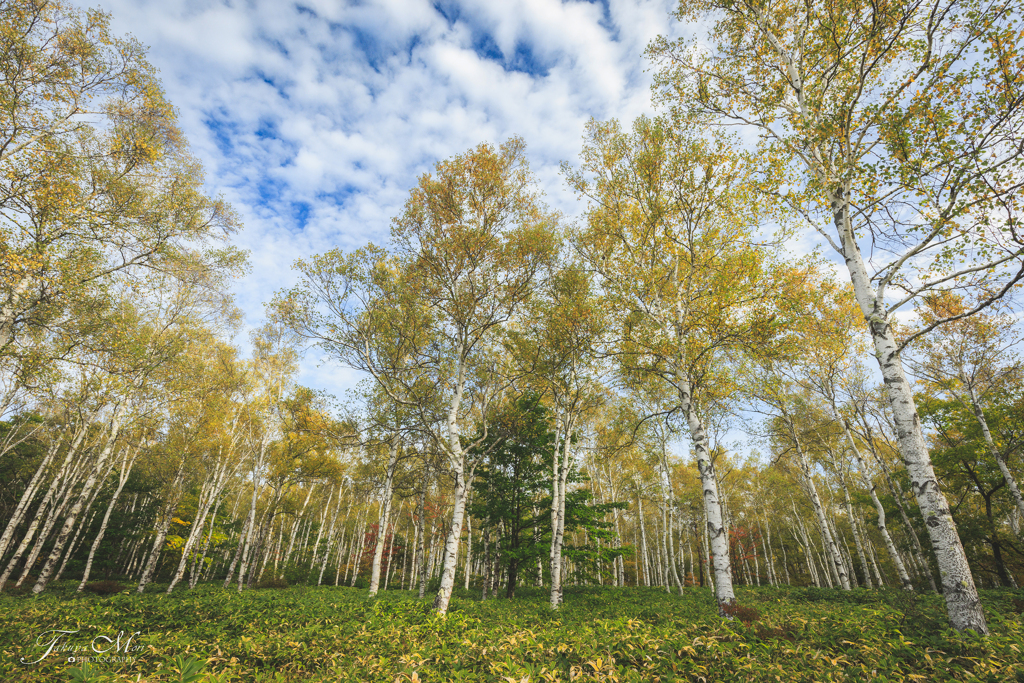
(333, 109)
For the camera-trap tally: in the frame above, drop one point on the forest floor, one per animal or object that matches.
(600, 634)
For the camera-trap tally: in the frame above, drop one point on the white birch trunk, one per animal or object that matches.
(805, 545)
(917, 558)
(83, 497)
(385, 515)
(962, 603)
(320, 531)
(469, 550)
(391, 551)
(706, 536)
(10, 308)
(238, 552)
(126, 468)
(831, 548)
(244, 561)
(63, 474)
(26, 498)
(559, 477)
(357, 549)
(65, 495)
(419, 557)
(694, 579)
(718, 536)
(643, 540)
(901, 570)
(330, 542)
(1011, 483)
(212, 492)
(201, 571)
(870, 548)
(163, 525)
(295, 529)
(856, 537)
(457, 460)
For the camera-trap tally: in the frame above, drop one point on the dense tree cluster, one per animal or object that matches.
(529, 381)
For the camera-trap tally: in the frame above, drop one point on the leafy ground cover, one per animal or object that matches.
(601, 634)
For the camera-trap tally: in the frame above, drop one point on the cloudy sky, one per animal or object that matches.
(315, 118)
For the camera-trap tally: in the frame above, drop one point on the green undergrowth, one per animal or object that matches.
(600, 634)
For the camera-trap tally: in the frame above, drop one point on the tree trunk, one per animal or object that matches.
(643, 541)
(238, 552)
(836, 563)
(425, 557)
(559, 477)
(808, 549)
(962, 603)
(385, 513)
(202, 571)
(451, 546)
(457, 460)
(420, 541)
(25, 502)
(163, 524)
(672, 549)
(1011, 483)
(330, 542)
(469, 549)
(83, 497)
(196, 532)
(66, 475)
(295, 529)
(126, 467)
(718, 536)
(487, 563)
(856, 536)
(901, 570)
(243, 562)
(357, 550)
(917, 553)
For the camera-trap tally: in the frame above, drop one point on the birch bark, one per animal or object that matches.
(27, 496)
(560, 475)
(295, 529)
(917, 553)
(65, 473)
(419, 556)
(212, 493)
(251, 524)
(717, 534)
(856, 536)
(1011, 483)
(962, 602)
(869, 484)
(127, 462)
(385, 515)
(83, 496)
(643, 539)
(828, 541)
(162, 526)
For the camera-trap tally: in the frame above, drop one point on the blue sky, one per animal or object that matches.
(315, 118)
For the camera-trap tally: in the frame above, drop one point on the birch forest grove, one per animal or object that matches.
(777, 349)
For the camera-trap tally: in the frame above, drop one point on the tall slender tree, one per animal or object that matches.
(900, 128)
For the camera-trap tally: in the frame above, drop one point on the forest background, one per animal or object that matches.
(544, 402)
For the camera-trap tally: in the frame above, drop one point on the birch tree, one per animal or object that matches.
(785, 408)
(98, 184)
(900, 125)
(469, 246)
(562, 353)
(670, 232)
(476, 239)
(970, 360)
